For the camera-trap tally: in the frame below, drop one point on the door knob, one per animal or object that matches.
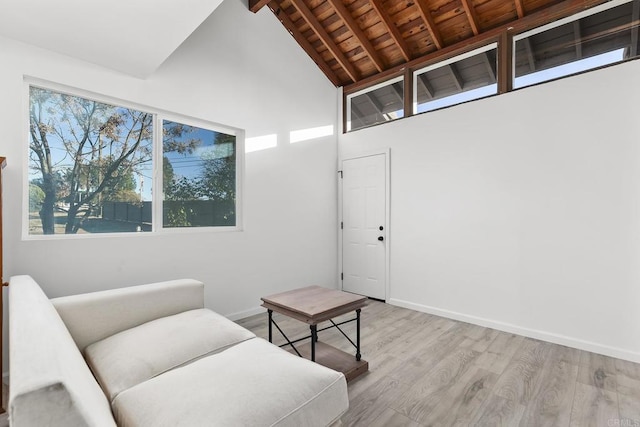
(380, 238)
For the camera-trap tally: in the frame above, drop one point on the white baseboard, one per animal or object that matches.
(593, 347)
(246, 313)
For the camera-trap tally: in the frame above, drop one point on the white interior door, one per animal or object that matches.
(364, 225)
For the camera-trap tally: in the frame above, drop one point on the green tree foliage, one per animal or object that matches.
(85, 152)
(36, 197)
(214, 182)
(218, 178)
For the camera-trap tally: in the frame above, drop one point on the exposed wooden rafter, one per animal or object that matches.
(364, 42)
(304, 43)
(345, 16)
(533, 20)
(256, 5)
(391, 28)
(519, 9)
(425, 14)
(471, 16)
(326, 39)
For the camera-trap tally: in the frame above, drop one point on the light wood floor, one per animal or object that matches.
(426, 370)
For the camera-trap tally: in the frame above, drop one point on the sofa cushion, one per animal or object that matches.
(94, 316)
(138, 354)
(254, 383)
(50, 383)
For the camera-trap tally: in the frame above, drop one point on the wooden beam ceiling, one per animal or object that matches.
(360, 42)
(425, 14)
(350, 22)
(471, 16)
(326, 39)
(304, 43)
(393, 31)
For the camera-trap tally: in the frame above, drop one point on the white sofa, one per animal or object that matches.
(151, 355)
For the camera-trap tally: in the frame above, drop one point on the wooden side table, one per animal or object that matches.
(313, 305)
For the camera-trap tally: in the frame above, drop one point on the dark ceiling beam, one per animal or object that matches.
(429, 23)
(391, 27)
(352, 25)
(472, 17)
(577, 38)
(398, 92)
(519, 9)
(635, 19)
(426, 85)
(376, 104)
(455, 75)
(356, 111)
(326, 39)
(491, 67)
(256, 5)
(530, 57)
(304, 43)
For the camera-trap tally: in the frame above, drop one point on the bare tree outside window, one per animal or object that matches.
(85, 156)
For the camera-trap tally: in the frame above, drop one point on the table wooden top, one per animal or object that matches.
(314, 304)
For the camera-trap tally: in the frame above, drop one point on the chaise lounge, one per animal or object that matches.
(151, 355)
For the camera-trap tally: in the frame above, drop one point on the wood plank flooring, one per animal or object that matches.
(426, 370)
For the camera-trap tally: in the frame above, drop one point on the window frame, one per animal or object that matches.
(158, 154)
(558, 23)
(443, 63)
(368, 89)
(503, 35)
(159, 115)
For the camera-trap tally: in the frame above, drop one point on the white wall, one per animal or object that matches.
(237, 69)
(522, 211)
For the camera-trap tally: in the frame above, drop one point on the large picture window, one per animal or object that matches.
(91, 169)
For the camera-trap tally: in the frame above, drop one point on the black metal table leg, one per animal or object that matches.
(314, 339)
(270, 327)
(358, 335)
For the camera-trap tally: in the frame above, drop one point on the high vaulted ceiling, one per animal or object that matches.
(133, 37)
(354, 40)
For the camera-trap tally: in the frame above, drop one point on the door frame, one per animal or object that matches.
(387, 153)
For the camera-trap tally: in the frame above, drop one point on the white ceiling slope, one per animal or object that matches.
(130, 36)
